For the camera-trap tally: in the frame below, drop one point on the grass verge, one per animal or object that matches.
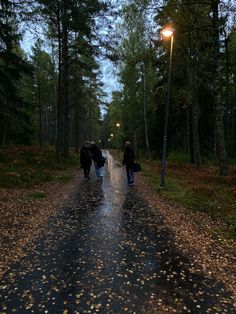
(198, 189)
(37, 195)
(25, 166)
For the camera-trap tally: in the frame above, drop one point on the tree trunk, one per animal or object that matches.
(228, 109)
(194, 105)
(40, 113)
(76, 128)
(196, 156)
(188, 133)
(233, 135)
(220, 137)
(5, 132)
(59, 126)
(145, 112)
(233, 120)
(90, 121)
(65, 79)
(135, 143)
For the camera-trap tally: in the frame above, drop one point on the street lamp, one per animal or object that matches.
(118, 136)
(167, 33)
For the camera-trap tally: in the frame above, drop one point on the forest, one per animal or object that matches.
(54, 94)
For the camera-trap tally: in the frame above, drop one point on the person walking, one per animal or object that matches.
(98, 159)
(128, 161)
(86, 159)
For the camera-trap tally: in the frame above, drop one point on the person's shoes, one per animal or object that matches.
(131, 183)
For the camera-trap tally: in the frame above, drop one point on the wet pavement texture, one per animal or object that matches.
(107, 252)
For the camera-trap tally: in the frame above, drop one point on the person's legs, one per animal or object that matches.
(127, 173)
(98, 170)
(86, 171)
(130, 175)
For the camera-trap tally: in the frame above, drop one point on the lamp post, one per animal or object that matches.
(118, 136)
(167, 33)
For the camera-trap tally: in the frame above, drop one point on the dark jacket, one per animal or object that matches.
(96, 153)
(129, 157)
(85, 157)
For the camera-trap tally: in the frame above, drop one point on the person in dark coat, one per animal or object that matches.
(128, 161)
(86, 159)
(98, 160)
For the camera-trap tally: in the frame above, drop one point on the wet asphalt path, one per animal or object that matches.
(107, 252)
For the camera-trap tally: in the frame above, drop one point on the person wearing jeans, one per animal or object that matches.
(98, 169)
(128, 161)
(97, 158)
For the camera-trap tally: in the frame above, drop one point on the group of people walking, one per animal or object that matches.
(90, 152)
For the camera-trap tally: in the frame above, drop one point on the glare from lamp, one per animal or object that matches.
(167, 32)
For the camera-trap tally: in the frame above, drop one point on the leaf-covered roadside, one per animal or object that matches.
(199, 190)
(214, 256)
(23, 215)
(25, 208)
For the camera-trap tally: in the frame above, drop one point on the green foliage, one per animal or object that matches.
(43, 94)
(192, 127)
(14, 116)
(28, 166)
(37, 195)
(138, 77)
(63, 179)
(178, 156)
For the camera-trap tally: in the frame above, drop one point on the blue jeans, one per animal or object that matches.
(130, 174)
(98, 170)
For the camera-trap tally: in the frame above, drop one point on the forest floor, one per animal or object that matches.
(206, 196)
(33, 185)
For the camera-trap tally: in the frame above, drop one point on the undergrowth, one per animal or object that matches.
(198, 189)
(25, 166)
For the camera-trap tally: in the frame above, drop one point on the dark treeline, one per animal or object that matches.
(202, 104)
(52, 95)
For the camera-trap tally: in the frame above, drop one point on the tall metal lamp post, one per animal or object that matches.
(167, 33)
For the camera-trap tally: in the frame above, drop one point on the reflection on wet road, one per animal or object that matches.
(107, 252)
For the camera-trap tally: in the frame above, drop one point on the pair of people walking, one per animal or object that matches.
(88, 153)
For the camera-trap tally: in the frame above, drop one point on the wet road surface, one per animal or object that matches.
(107, 252)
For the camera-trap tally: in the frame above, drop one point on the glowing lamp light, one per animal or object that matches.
(167, 32)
